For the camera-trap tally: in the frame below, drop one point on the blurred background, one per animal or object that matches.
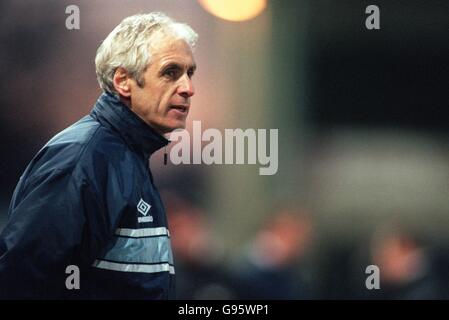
(363, 126)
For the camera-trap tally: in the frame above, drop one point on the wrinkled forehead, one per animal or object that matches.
(172, 50)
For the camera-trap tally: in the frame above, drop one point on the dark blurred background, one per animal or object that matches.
(363, 139)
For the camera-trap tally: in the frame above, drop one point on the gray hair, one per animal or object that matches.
(129, 46)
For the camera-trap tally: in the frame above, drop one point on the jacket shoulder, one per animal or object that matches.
(85, 153)
(64, 150)
(78, 145)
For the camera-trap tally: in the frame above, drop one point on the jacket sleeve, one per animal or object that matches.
(43, 231)
(52, 220)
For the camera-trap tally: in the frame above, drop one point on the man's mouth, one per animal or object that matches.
(181, 108)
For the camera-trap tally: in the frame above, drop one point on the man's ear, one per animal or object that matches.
(122, 81)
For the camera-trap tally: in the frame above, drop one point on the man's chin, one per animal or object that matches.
(173, 127)
(180, 126)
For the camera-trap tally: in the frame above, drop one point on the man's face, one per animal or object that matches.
(164, 100)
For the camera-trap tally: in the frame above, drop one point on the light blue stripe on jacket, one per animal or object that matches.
(149, 250)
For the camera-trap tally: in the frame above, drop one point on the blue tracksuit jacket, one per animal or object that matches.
(88, 199)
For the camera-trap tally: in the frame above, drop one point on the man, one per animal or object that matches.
(87, 199)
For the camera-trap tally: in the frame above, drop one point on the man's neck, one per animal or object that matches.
(127, 102)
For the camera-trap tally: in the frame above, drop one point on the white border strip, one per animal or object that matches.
(146, 232)
(144, 268)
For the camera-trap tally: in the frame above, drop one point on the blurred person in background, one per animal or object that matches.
(271, 266)
(87, 198)
(200, 271)
(406, 264)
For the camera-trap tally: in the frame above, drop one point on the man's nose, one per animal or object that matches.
(186, 89)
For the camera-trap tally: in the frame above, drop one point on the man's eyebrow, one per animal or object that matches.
(178, 66)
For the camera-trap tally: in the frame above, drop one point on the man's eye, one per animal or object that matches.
(169, 72)
(190, 73)
(172, 73)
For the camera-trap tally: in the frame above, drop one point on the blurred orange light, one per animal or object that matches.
(234, 10)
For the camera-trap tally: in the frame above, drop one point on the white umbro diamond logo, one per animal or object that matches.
(143, 207)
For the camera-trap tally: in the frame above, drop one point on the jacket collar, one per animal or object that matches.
(111, 112)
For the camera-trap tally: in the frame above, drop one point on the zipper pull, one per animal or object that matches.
(165, 156)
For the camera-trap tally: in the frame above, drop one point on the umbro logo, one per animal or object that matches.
(143, 208)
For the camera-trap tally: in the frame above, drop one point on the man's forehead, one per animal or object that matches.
(174, 51)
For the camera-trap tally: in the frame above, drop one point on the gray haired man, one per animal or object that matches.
(87, 201)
